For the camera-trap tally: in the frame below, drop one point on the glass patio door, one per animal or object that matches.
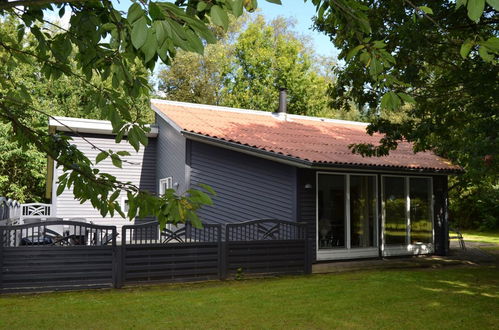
(407, 215)
(346, 216)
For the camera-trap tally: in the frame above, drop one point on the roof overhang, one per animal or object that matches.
(301, 163)
(88, 126)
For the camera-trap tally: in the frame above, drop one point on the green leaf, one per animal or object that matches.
(123, 153)
(202, 6)
(407, 98)
(494, 4)
(237, 8)
(60, 189)
(114, 196)
(475, 9)
(139, 32)
(365, 58)
(101, 156)
(379, 44)
(390, 101)
(426, 10)
(354, 52)
(155, 11)
(116, 161)
(466, 48)
(134, 13)
(484, 54)
(194, 42)
(460, 3)
(150, 46)
(219, 16)
(159, 28)
(492, 44)
(207, 188)
(277, 2)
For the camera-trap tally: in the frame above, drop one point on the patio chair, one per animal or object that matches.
(58, 239)
(107, 238)
(28, 221)
(52, 219)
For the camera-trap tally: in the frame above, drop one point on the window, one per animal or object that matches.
(124, 205)
(346, 210)
(408, 211)
(164, 184)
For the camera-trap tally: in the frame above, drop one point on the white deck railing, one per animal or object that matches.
(35, 210)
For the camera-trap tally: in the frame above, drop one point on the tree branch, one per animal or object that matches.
(27, 3)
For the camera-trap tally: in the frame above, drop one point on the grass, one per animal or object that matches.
(491, 237)
(390, 299)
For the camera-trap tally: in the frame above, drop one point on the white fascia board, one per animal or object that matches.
(92, 126)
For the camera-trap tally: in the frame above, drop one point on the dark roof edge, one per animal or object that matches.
(297, 162)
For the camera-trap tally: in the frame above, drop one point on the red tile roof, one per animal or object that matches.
(309, 139)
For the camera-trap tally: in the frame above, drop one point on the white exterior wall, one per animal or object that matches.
(141, 171)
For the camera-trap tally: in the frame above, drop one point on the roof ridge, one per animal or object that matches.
(256, 112)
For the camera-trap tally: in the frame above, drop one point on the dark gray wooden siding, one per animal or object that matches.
(247, 187)
(307, 207)
(140, 169)
(171, 154)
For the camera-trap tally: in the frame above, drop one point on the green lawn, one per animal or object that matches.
(390, 299)
(483, 237)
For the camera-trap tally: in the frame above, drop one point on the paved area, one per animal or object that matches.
(475, 254)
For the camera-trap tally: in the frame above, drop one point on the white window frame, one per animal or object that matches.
(348, 252)
(408, 248)
(165, 183)
(123, 203)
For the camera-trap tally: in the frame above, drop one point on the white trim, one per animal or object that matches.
(407, 212)
(347, 252)
(168, 182)
(250, 111)
(123, 201)
(410, 249)
(55, 180)
(92, 126)
(354, 253)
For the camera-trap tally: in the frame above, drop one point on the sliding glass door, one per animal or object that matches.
(407, 215)
(362, 211)
(346, 216)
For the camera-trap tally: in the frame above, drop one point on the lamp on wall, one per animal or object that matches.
(308, 186)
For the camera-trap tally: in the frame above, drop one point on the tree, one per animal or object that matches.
(435, 62)
(248, 65)
(105, 43)
(271, 56)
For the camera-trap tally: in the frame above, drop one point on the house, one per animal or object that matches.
(289, 167)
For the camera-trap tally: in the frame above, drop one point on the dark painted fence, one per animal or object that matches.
(37, 257)
(174, 254)
(266, 246)
(57, 255)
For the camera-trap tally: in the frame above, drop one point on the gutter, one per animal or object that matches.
(301, 163)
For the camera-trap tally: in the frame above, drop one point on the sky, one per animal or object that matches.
(299, 10)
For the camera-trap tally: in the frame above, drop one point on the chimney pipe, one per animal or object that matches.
(283, 100)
